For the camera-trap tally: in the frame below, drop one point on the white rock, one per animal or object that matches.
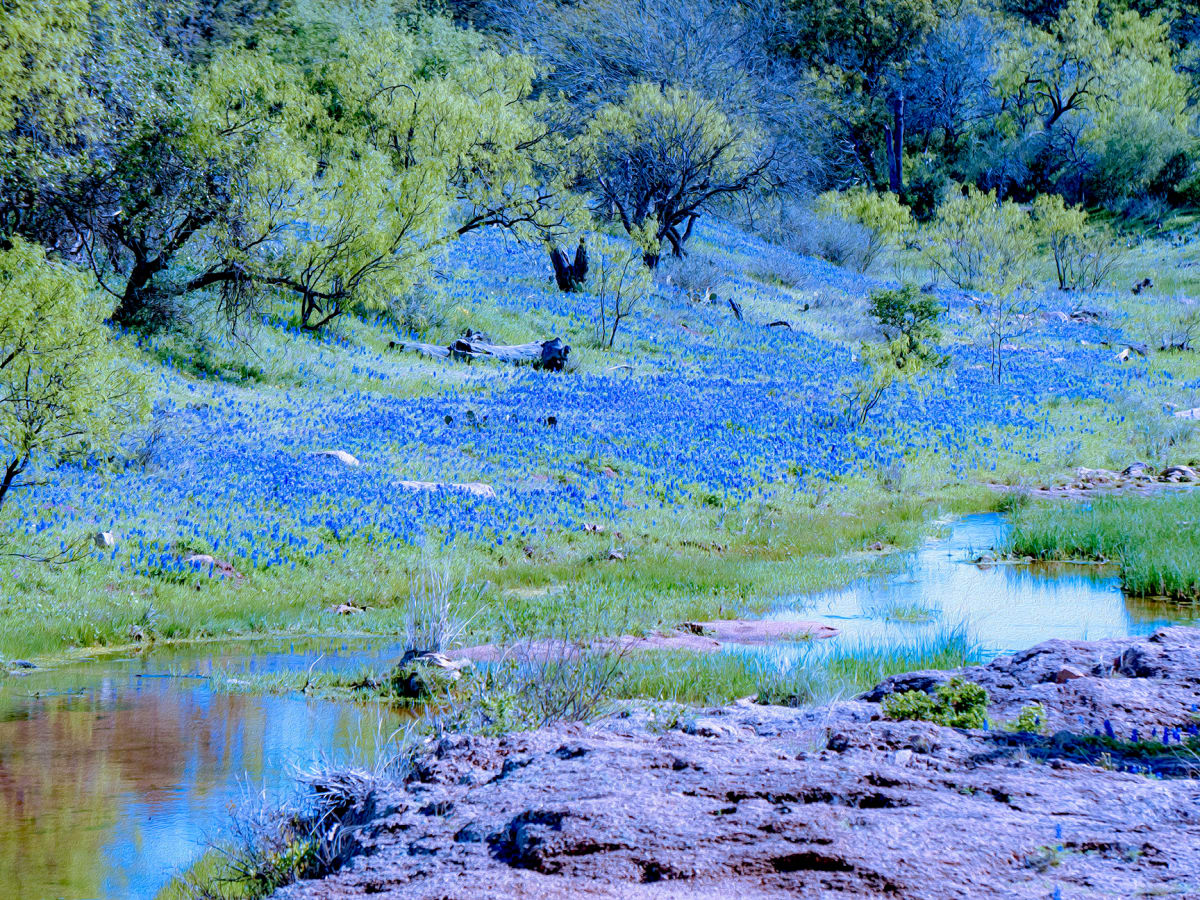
(475, 488)
(340, 455)
(105, 540)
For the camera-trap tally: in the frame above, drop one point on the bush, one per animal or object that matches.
(417, 311)
(1083, 256)
(980, 243)
(697, 275)
(830, 238)
(1030, 720)
(909, 322)
(956, 704)
(909, 319)
(883, 217)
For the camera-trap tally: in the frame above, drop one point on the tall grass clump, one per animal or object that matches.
(272, 843)
(796, 675)
(1154, 540)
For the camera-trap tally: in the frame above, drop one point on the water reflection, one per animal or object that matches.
(111, 776)
(110, 780)
(1001, 608)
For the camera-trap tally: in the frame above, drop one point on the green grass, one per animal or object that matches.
(702, 564)
(795, 674)
(1154, 540)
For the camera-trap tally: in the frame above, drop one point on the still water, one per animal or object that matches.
(999, 608)
(112, 776)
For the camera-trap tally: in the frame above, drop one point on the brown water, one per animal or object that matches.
(112, 777)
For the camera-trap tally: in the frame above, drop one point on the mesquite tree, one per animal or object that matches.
(665, 156)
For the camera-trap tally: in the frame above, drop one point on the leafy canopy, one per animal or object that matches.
(63, 391)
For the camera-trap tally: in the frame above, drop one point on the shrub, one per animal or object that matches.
(956, 704)
(1031, 719)
(909, 321)
(883, 217)
(909, 318)
(980, 243)
(697, 275)
(416, 311)
(1083, 256)
(833, 239)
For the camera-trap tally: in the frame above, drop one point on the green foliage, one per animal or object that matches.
(1083, 256)
(666, 155)
(63, 391)
(981, 243)
(956, 704)
(76, 77)
(323, 162)
(1031, 719)
(1110, 90)
(860, 53)
(887, 221)
(908, 319)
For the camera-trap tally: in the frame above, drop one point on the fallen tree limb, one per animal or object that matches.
(551, 354)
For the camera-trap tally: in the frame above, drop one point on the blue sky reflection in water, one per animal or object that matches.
(111, 782)
(1000, 608)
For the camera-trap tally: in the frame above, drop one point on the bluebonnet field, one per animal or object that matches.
(715, 414)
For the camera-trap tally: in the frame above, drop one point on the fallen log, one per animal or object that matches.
(551, 354)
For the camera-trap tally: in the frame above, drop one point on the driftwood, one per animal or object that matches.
(781, 323)
(551, 354)
(737, 309)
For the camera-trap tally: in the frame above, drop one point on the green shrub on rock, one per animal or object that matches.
(956, 704)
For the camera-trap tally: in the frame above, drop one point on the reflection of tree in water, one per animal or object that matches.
(69, 764)
(1155, 610)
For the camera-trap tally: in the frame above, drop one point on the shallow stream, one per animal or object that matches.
(114, 771)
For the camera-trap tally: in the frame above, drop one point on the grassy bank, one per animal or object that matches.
(1154, 540)
(524, 693)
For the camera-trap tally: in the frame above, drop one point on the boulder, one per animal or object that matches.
(474, 488)
(1179, 474)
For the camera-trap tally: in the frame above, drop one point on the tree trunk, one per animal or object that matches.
(133, 298)
(11, 471)
(894, 138)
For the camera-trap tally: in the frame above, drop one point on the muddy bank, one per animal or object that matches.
(757, 801)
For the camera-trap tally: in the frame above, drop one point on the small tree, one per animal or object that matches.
(667, 155)
(887, 221)
(620, 290)
(63, 393)
(909, 321)
(622, 283)
(1083, 256)
(980, 243)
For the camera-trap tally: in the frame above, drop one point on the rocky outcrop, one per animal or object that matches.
(754, 801)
